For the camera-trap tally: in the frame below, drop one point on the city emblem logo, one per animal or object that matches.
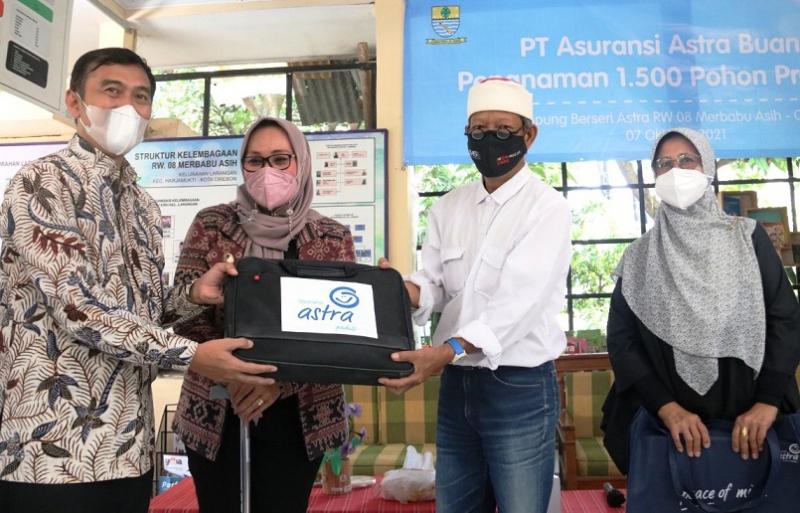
(445, 20)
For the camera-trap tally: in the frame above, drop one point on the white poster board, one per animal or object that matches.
(33, 48)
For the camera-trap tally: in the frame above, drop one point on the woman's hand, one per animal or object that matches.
(250, 401)
(685, 424)
(207, 289)
(750, 429)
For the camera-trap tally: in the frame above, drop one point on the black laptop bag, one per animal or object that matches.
(253, 311)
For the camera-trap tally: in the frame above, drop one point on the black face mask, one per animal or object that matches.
(495, 157)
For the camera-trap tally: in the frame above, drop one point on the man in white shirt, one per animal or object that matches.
(494, 263)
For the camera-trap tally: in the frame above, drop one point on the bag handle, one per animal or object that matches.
(680, 472)
(303, 269)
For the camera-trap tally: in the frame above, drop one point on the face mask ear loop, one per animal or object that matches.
(83, 105)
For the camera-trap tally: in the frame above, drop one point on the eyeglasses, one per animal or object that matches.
(684, 161)
(278, 161)
(502, 133)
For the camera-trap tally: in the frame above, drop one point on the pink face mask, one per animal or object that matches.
(271, 188)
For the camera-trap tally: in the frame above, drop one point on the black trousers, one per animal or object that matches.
(281, 474)
(131, 495)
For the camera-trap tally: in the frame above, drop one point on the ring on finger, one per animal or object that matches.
(745, 432)
(260, 402)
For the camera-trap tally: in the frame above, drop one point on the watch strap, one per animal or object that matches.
(458, 349)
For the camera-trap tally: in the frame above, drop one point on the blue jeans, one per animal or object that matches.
(495, 440)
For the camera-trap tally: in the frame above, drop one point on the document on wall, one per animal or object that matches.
(33, 39)
(343, 170)
(349, 171)
(361, 220)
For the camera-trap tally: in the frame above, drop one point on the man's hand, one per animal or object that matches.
(427, 361)
(214, 359)
(250, 401)
(411, 288)
(207, 289)
(750, 429)
(684, 424)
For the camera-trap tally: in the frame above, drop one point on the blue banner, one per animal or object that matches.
(607, 76)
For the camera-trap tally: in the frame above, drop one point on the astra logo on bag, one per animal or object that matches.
(327, 306)
(792, 455)
(343, 297)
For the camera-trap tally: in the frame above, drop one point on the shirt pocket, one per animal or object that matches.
(487, 278)
(454, 269)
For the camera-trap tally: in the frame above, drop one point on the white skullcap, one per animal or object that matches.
(500, 93)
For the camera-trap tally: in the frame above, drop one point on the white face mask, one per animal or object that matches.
(115, 130)
(681, 188)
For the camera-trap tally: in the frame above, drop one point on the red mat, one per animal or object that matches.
(181, 499)
(586, 501)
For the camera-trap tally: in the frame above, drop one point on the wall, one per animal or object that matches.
(389, 15)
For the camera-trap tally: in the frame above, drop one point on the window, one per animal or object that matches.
(317, 97)
(182, 101)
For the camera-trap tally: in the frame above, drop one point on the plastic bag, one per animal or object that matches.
(409, 485)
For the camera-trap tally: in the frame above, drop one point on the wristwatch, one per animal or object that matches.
(458, 348)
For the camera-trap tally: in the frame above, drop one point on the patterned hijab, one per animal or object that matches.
(269, 232)
(694, 281)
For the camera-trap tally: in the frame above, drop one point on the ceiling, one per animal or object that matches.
(191, 33)
(142, 4)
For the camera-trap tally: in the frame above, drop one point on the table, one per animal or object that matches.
(181, 499)
(363, 500)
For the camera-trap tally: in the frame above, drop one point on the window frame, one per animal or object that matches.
(288, 71)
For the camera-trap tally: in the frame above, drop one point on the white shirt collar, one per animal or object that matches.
(507, 190)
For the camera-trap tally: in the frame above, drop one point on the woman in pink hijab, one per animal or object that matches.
(292, 423)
